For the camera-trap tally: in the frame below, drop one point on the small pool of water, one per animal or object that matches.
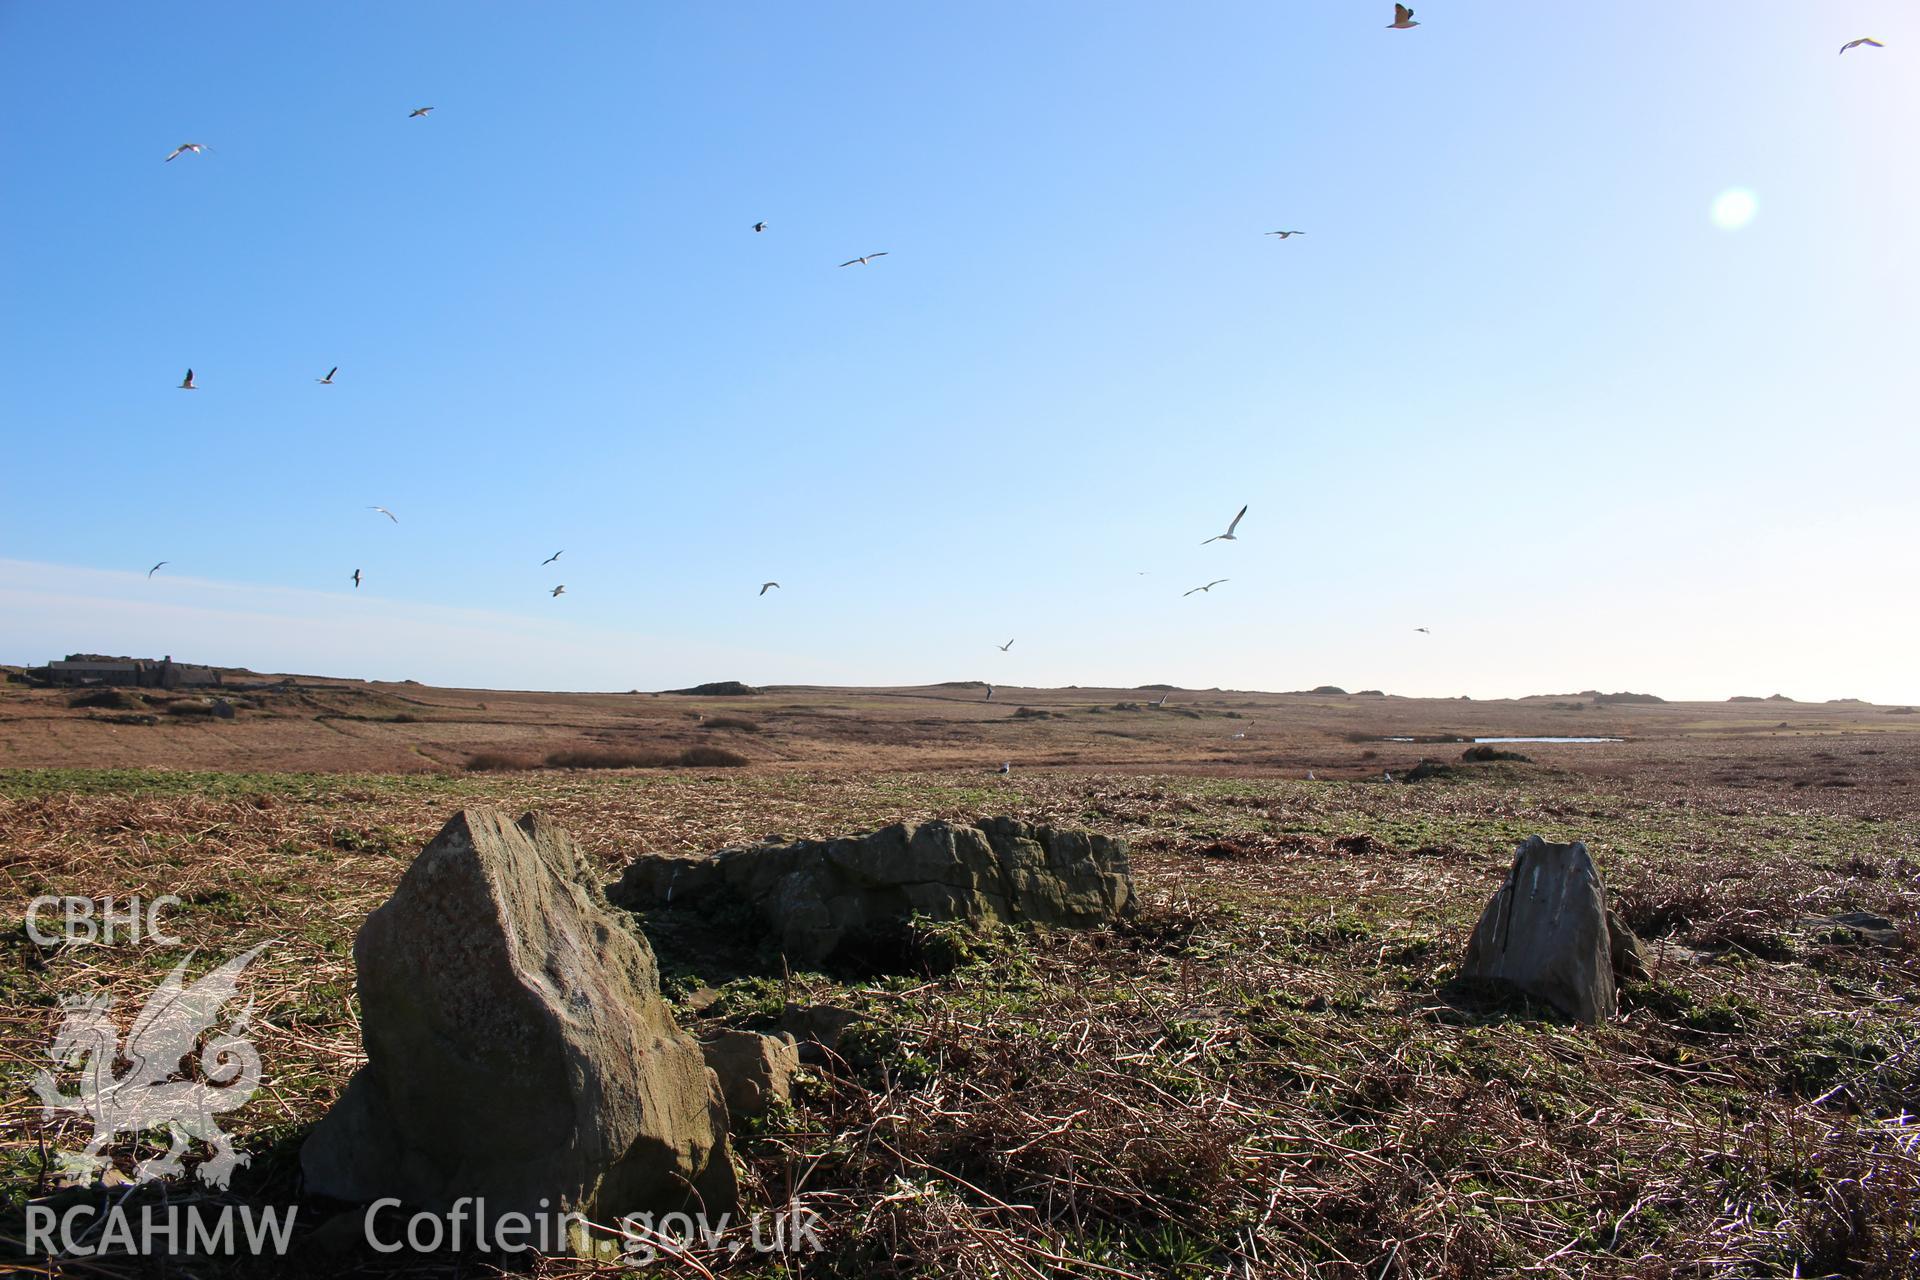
(1549, 739)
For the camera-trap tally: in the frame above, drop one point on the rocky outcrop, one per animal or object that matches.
(1549, 932)
(517, 1045)
(818, 898)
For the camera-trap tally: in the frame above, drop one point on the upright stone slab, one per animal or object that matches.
(1548, 931)
(518, 1049)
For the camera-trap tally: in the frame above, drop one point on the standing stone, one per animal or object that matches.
(1548, 931)
(518, 1048)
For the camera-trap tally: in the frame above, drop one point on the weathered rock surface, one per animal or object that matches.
(755, 1071)
(1549, 932)
(1855, 926)
(817, 898)
(517, 1045)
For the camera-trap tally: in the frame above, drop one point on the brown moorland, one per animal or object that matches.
(1273, 1069)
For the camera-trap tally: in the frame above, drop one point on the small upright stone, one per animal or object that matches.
(756, 1071)
(1549, 932)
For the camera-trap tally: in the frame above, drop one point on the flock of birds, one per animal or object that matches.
(1402, 20)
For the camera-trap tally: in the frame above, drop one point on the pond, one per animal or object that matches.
(1549, 739)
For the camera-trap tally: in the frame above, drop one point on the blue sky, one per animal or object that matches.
(1514, 384)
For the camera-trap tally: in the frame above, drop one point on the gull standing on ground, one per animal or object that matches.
(1228, 535)
(1284, 234)
(418, 111)
(559, 590)
(555, 556)
(1007, 767)
(1402, 18)
(388, 514)
(1004, 647)
(863, 261)
(1210, 586)
(767, 586)
(195, 147)
(356, 579)
(1869, 41)
(157, 567)
(186, 383)
(328, 380)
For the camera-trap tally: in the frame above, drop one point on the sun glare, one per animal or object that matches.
(1734, 208)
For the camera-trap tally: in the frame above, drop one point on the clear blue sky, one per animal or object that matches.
(1514, 384)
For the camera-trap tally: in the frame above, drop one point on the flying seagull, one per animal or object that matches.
(559, 590)
(1008, 645)
(328, 380)
(1423, 631)
(1869, 41)
(861, 262)
(1284, 234)
(759, 226)
(158, 567)
(766, 586)
(1162, 702)
(1402, 18)
(555, 556)
(388, 514)
(418, 111)
(186, 383)
(356, 579)
(1210, 586)
(197, 148)
(1228, 535)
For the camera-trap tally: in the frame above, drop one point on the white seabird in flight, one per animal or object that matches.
(863, 261)
(1869, 41)
(1402, 18)
(195, 147)
(328, 380)
(388, 514)
(356, 579)
(767, 586)
(186, 383)
(559, 590)
(418, 112)
(1284, 234)
(1228, 535)
(1210, 586)
(158, 567)
(550, 559)
(1004, 647)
